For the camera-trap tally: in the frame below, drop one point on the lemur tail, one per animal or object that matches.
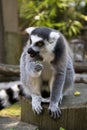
(10, 95)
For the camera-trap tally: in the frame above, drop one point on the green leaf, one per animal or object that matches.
(61, 128)
(70, 33)
(78, 24)
(53, 12)
(73, 29)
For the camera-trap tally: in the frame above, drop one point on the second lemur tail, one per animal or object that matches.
(10, 95)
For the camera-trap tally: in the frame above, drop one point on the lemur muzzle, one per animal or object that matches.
(32, 52)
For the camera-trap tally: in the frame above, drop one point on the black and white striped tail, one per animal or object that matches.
(10, 95)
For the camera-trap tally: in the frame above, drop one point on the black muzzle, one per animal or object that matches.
(32, 52)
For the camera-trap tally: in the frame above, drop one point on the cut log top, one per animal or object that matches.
(74, 112)
(71, 100)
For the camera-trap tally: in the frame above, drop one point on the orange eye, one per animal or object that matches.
(40, 43)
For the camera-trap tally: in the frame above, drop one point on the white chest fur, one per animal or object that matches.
(48, 57)
(47, 54)
(47, 71)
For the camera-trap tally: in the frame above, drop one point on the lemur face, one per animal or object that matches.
(42, 41)
(37, 44)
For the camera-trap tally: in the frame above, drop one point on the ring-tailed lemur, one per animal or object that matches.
(45, 64)
(56, 67)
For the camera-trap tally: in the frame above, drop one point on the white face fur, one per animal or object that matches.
(46, 50)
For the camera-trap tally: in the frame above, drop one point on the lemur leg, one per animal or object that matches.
(57, 87)
(35, 85)
(56, 95)
(36, 95)
(68, 85)
(70, 77)
(33, 71)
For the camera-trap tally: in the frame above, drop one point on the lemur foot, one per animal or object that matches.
(36, 104)
(54, 110)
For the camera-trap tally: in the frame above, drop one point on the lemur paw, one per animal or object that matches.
(38, 67)
(54, 110)
(36, 105)
(35, 69)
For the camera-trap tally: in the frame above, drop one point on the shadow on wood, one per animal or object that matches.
(74, 112)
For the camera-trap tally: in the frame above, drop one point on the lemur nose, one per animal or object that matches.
(30, 51)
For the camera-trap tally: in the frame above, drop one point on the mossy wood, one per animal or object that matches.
(74, 112)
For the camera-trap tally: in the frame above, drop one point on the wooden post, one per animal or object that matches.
(12, 38)
(1, 35)
(74, 112)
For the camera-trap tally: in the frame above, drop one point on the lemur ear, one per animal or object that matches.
(29, 30)
(53, 37)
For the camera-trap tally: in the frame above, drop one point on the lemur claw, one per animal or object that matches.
(36, 104)
(54, 111)
(37, 109)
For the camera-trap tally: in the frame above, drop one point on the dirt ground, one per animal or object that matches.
(8, 123)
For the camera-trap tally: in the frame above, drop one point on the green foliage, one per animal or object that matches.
(61, 128)
(12, 111)
(64, 15)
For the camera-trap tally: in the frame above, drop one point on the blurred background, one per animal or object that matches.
(67, 16)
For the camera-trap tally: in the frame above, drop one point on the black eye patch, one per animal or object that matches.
(39, 43)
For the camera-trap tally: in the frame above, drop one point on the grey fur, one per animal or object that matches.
(56, 68)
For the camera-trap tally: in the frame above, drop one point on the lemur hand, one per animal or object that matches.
(54, 110)
(35, 69)
(38, 67)
(36, 104)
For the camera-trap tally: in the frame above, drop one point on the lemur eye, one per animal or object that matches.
(40, 43)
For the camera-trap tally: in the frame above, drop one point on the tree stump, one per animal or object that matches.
(74, 112)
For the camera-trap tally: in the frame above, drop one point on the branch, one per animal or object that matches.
(13, 70)
(80, 67)
(81, 78)
(9, 70)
